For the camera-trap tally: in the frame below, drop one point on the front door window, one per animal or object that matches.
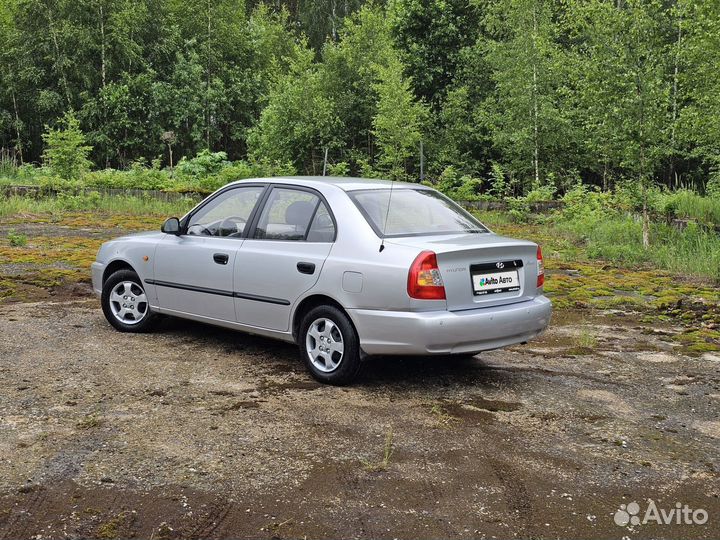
(227, 214)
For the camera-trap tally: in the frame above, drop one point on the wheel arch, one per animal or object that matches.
(310, 302)
(114, 266)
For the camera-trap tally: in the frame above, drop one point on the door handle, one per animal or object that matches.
(221, 258)
(306, 267)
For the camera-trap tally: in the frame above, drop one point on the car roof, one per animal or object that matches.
(346, 183)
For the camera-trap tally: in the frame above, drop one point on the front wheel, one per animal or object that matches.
(125, 303)
(329, 345)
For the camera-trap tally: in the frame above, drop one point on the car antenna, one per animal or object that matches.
(387, 213)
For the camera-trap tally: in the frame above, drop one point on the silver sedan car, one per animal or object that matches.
(344, 267)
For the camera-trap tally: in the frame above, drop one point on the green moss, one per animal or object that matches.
(633, 302)
(699, 340)
(7, 288)
(701, 347)
(666, 301)
(115, 527)
(89, 422)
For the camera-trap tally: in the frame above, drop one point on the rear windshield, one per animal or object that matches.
(413, 212)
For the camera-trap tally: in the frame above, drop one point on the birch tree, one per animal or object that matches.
(523, 114)
(699, 125)
(399, 120)
(623, 91)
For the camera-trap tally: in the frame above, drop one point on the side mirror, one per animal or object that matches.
(171, 226)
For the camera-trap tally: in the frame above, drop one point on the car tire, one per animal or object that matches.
(125, 304)
(329, 346)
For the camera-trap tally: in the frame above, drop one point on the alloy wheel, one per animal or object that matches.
(324, 345)
(128, 302)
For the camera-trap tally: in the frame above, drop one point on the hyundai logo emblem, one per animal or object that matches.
(500, 265)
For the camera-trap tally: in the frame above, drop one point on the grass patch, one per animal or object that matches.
(44, 250)
(687, 204)
(116, 527)
(586, 339)
(692, 251)
(584, 342)
(8, 288)
(131, 205)
(443, 419)
(89, 422)
(700, 340)
(601, 227)
(387, 454)
(204, 173)
(15, 239)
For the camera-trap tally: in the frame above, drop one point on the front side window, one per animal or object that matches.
(292, 214)
(227, 214)
(413, 212)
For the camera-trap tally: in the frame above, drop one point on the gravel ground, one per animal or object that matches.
(194, 431)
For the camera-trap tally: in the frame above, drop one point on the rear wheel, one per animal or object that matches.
(125, 303)
(329, 345)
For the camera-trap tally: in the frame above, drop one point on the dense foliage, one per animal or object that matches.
(505, 96)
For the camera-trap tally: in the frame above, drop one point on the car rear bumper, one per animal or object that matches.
(446, 332)
(97, 274)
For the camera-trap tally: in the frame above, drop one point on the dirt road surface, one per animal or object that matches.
(194, 431)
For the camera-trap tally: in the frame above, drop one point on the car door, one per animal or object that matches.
(194, 270)
(291, 238)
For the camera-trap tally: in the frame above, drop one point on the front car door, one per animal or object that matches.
(282, 258)
(194, 270)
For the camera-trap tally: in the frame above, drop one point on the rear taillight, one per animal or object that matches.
(540, 269)
(424, 279)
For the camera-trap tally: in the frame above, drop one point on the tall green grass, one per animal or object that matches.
(693, 251)
(204, 174)
(689, 205)
(93, 202)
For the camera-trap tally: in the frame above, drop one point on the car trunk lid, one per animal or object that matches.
(481, 269)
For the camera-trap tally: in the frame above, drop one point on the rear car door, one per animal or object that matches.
(288, 244)
(194, 270)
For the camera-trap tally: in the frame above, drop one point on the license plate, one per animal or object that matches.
(504, 277)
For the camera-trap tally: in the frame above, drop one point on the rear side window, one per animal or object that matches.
(413, 212)
(322, 228)
(292, 214)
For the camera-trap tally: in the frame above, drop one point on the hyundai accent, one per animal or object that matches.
(343, 267)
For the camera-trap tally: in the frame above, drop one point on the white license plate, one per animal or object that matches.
(496, 282)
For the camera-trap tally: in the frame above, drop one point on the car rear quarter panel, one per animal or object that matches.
(378, 279)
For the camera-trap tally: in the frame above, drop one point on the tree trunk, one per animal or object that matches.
(675, 103)
(58, 62)
(130, 64)
(102, 46)
(605, 171)
(645, 220)
(643, 164)
(207, 78)
(103, 71)
(536, 152)
(333, 22)
(18, 143)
